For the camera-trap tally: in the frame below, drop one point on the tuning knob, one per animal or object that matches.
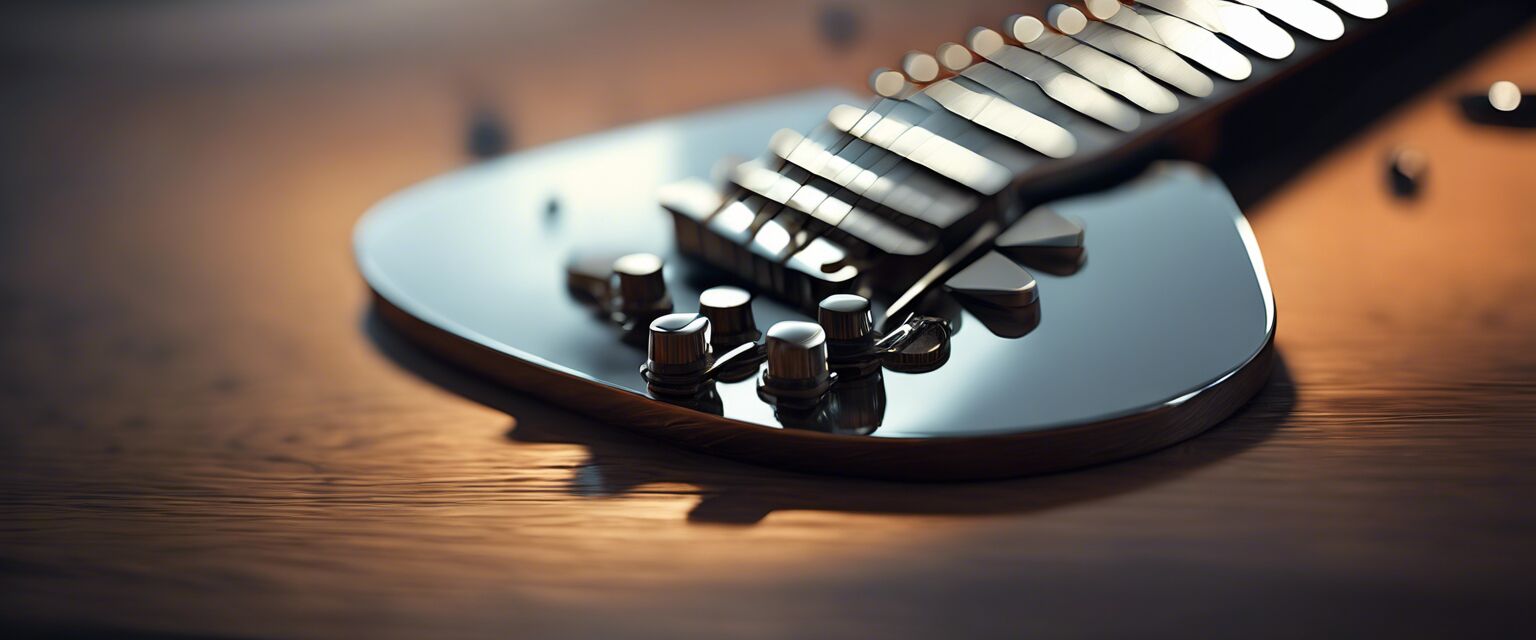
(641, 289)
(850, 329)
(845, 318)
(677, 353)
(729, 310)
(797, 362)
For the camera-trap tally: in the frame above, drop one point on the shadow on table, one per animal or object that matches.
(739, 493)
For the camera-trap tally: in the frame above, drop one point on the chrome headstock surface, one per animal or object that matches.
(1160, 328)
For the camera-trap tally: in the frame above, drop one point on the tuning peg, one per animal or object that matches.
(846, 318)
(920, 67)
(985, 42)
(1067, 19)
(640, 289)
(797, 363)
(729, 310)
(851, 335)
(889, 84)
(677, 354)
(1103, 9)
(1025, 29)
(954, 57)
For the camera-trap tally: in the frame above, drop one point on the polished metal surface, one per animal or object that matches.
(846, 318)
(994, 279)
(1067, 19)
(820, 269)
(1003, 118)
(1307, 16)
(888, 84)
(1105, 71)
(678, 344)
(1045, 241)
(1369, 9)
(1131, 20)
(1022, 28)
(1042, 227)
(1155, 59)
(920, 67)
(797, 360)
(640, 278)
(919, 345)
(903, 132)
(850, 326)
(1102, 9)
(1055, 80)
(729, 310)
(1188, 40)
(640, 287)
(878, 175)
(954, 57)
(1021, 93)
(834, 207)
(1242, 23)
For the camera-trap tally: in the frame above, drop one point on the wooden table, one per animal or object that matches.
(207, 431)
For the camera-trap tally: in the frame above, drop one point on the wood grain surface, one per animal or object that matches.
(208, 432)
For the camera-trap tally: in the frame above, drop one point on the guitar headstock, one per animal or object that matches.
(976, 274)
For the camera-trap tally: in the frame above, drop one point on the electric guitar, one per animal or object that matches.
(995, 267)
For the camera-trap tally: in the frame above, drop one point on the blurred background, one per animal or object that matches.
(610, 62)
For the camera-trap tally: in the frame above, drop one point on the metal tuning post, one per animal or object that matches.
(680, 362)
(797, 365)
(639, 291)
(732, 326)
(851, 334)
(676, 354)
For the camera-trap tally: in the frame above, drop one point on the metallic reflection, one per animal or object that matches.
(1307, 16)
(1242, 23)
(1045, 240)
(1061, 85)
(920, 67)
(1005, 322)
(1066, 19)
(832, 206)
(955, 57)
(851, 407)
(1008, 120)
(919, 345)
(888, 84)
(1105, 71)
(1151, 57)
(819, 270)
(880, 176)
(1017, 91)
(994, 280)
(1187, 39)
(1102, 9)
(1368, 9)
(901, 134)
